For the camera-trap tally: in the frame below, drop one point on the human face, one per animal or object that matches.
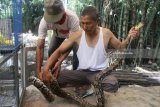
(88, 24)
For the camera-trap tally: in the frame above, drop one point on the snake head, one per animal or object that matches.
(31, 78)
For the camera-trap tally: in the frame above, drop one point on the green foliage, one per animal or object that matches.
(78, 5)
(32, 13)
(5, 9)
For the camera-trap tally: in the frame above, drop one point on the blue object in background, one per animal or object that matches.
(17, 20)
(13, 13)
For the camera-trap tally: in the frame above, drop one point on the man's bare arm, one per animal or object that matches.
(121, 45)
(62, 50)
(57, 66)
(64, 56)
(39, 55)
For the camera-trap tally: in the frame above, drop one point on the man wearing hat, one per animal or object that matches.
(61, 21)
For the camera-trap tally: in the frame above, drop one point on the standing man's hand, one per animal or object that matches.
(46, 77)
(40, 75)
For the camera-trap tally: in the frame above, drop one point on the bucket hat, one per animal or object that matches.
(54, 10)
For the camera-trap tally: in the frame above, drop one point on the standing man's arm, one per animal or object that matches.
(39, 56)
(42, 32)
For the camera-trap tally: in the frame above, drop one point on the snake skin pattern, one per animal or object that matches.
(42, 87)
(55, 89)
(98, 80)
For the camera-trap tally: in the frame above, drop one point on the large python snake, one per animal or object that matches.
(55, 89)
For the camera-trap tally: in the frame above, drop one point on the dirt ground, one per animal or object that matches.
(127, 96)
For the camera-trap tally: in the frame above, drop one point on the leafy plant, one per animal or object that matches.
(32, 14)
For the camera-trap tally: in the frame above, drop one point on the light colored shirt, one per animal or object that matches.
(71, 24)
(92, 58)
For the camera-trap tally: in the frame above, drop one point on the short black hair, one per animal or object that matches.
(90, 11)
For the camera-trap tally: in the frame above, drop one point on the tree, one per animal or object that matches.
(32, 14)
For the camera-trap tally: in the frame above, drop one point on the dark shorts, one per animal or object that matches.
(79, 77)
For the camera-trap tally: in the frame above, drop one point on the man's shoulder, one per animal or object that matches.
(42, 20)
(106, 31)
(70, 13)
(43, 23)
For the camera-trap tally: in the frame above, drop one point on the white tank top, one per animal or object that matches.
(92, 58)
